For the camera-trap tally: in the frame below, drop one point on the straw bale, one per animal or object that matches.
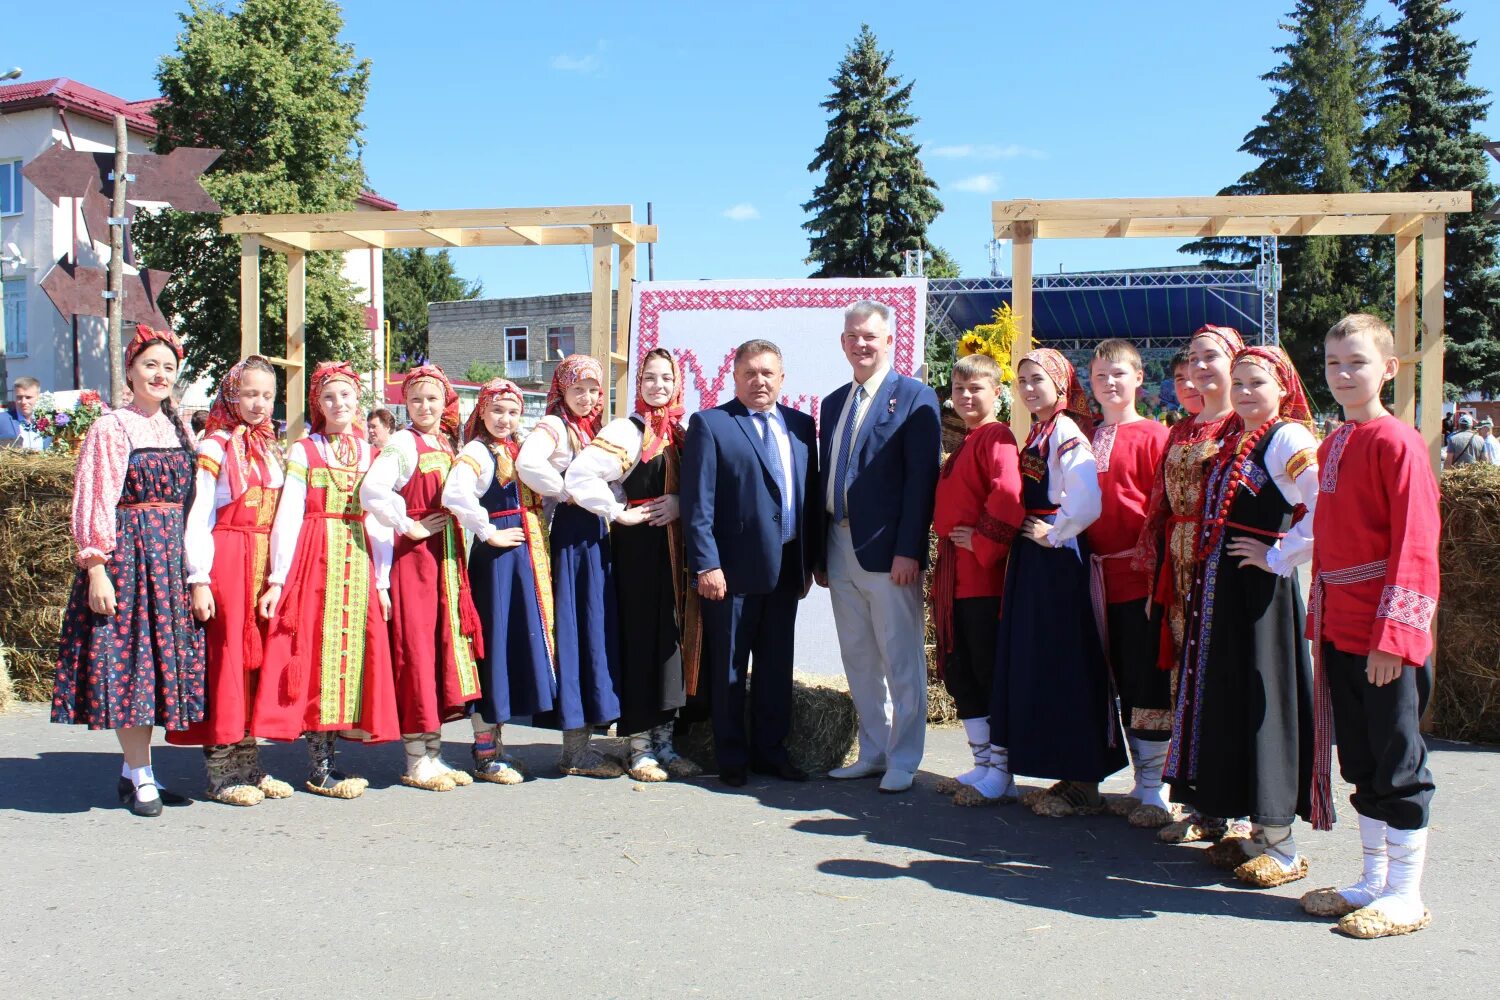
(1467, 695)
(823, 727)
(36, 567)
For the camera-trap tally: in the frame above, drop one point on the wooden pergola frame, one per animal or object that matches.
(604, 227)
(1409, 217)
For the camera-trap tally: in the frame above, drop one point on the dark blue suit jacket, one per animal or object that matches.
(896, 460)
(731, 508)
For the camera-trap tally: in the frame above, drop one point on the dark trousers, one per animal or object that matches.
(736, 630)
(969, 671)
(1145, 691)
(1381, 750)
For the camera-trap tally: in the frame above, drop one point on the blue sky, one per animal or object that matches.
(711, 111)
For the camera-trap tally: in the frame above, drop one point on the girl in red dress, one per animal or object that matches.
(228, 546)
(436, 638)
(327, 670)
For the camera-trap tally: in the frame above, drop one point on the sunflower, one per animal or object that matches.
(973, 343)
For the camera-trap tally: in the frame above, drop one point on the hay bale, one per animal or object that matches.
(36, 565)
(7, 690)
(1467, 698)
(823, 727)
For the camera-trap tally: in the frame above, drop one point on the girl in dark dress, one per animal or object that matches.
(1242, 731)
(131, 656)
(628, 475)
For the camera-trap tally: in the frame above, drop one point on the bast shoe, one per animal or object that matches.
(1326, 902)
(1371, 922)
(1264, 872)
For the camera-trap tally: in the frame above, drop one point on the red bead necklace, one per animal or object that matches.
(1215, 525)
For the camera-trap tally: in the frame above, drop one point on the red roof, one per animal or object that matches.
(368, 197)
(70, 95)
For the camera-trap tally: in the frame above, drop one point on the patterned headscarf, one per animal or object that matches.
(663, 423)
(1069, 390)
(145, 337)
(571, 369)
(246, 441)
(1228, 337)
(325, 373)
(1274, 361)
(495, 388)
(448, 422)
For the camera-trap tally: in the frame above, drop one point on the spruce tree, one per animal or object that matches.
(875, 200)
(1432, 109)
(271, 84)
(414, 278)
(1319, 137)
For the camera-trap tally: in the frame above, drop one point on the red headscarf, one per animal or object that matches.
(1069, 390)
(246, 441)
(145, 337)
(571, 369)
(1228, 337)
(1273, 361)
(448, 422)
(495, 388)
(325, 373)
(663, 423)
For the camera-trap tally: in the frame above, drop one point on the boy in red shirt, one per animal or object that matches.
(1128, 450)
(1375, 590)
(977, 512)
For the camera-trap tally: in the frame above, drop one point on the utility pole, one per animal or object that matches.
(116, 293)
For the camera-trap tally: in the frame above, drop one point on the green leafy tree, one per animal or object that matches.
(270, 84)
(1432, 109)
(414, 278)
(875, 200)
(483, 371)
(1321, 136)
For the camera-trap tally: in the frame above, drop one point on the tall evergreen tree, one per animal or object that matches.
(1432, 109)
(875, 200)
(413, 278)
(270, 84)
(1319, 137)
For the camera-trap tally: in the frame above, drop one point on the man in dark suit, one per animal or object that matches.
(880, 451)
(753, 523)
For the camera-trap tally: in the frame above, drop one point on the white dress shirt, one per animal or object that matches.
(872, 386)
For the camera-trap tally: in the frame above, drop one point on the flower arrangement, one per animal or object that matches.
(64, 428)
(995, 339)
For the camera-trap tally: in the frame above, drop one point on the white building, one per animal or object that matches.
(38, 341)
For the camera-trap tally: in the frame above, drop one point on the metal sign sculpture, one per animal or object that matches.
(172, 178)
(80, 291)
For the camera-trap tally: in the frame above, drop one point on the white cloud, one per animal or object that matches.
(586, 64)
(977, 184)
(743, 212)
(988, 151)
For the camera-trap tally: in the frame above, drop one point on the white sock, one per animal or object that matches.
(996, 781)
(144, 780)
(1279, 845)
(1150, 760)
(642, 751)
(1372, 879)
(1406, 856)
(978, 733)
(124, 769)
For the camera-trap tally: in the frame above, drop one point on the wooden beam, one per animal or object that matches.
(369, 237)
(624, 310)
(459, 218)
(533, 234)
(624, 235)
(1201, 226)
(1232, 206)
(1406, 326)
(287, 242)
(296, 345)
(451, 237)
(1020, 304)
(1430, 377)
(600, 314)
(438, 238)
(249, 295)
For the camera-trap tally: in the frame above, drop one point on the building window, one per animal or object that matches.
(10, 187)
(516, 364)
(559, 342)
(15, 316)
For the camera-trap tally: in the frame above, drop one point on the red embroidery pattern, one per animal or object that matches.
(1407, 607)
(995, 530)
(1329, 481)
(710, 387)
(1104, 445)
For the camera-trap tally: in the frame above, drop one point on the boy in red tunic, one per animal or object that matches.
(1128, 450)
(1375, 590)
(977, 513)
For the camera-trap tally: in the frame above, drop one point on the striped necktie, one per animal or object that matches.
(846, 455)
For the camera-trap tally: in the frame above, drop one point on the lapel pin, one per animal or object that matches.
(891, 408)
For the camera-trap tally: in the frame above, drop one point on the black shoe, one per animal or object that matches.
(734, 777)
(126, 790)
(785, 770)
(150, 809)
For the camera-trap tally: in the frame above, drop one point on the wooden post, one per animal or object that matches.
(624, 309)
(600, 332)
(249, 295)
(1020, 304)
(296, 343)
(117, 269)
(1406, 326)
(1434, 262)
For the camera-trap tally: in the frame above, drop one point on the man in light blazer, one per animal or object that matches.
(880, 449)
(753, 528)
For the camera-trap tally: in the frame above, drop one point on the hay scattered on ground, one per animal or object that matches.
(36, 565)
(1467, 697)
(823, 727)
